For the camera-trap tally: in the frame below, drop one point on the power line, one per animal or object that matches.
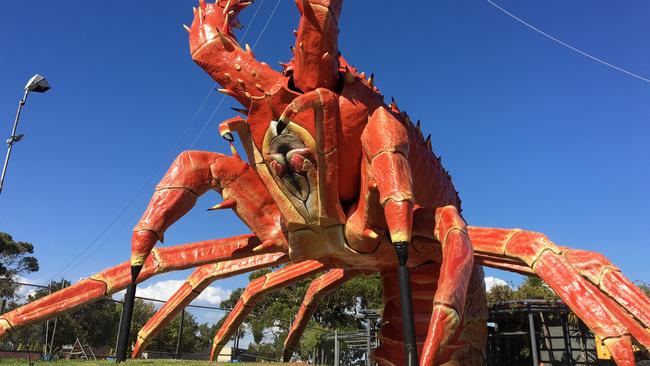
(568, 45)
(266, 24)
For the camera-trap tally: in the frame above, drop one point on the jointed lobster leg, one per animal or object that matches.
(563, 272)
(117, 278)
(214, 48)
(192, 174)
(468, 349)
(316, 55)
(318, 288)
(195, 284)
(609, 279)
(256, 290)
(455, 273)
(385, 146)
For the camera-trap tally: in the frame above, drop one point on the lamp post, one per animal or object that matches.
(37, 84)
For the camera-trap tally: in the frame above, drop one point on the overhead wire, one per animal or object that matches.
(599, 60)
(71, 265)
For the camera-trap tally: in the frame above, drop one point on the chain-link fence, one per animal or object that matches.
(521, 333)
(90, 331)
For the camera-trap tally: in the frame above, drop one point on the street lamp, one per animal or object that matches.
(36, 84)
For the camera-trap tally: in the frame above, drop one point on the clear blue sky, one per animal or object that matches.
(535, 135)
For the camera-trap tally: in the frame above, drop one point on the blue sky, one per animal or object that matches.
(535, 135)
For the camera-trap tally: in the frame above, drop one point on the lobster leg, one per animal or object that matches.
(255, 291)
(469, 347)
(215, 49)
(609, 279)
(195, 284)
(385, 144)
(191, 175)
(385, 148)
(317, 289)
(117, 278)
(455, 273)
(316, 55)
(568, 273)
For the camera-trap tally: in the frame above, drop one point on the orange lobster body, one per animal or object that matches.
(335, 181)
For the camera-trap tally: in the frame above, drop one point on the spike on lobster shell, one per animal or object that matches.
(240, 110)
(223, 205)
(349, 77)
(225, 8)
(227, 92)
(393, 105)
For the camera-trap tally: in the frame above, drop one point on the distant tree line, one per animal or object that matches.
(96, 324)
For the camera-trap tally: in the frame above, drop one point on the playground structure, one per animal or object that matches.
(340, 183)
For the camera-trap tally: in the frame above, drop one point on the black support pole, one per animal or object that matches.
(127, 315)
(408, 326)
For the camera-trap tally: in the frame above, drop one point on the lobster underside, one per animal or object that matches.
(335, 179)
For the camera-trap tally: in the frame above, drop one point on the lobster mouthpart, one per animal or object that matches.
(291, 160)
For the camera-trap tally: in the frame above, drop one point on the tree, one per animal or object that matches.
(273, 314)
(14, 261)
(194, 338)
(531, 288)
(500, 293)
(534, 288)
(644, 287)
(95, 324)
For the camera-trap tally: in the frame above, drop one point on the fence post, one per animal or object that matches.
(180, 334)
(234, 354)
(119, 326)
(336, 348)
(368, 338)
(568, 350)
(533, 339)
(47, 325)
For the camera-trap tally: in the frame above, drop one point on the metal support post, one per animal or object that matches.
(533, 338)
(568, 350)
(408, 324)
(12, 139)
(336, 348)
(47, 326)
(234, 354)
(127, 315)
(368, 343)
(180, 335)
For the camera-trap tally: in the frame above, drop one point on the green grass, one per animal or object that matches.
(12, 362)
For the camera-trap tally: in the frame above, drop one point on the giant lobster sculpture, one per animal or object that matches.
(335, 180)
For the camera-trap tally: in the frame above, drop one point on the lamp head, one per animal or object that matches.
(37, 84)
